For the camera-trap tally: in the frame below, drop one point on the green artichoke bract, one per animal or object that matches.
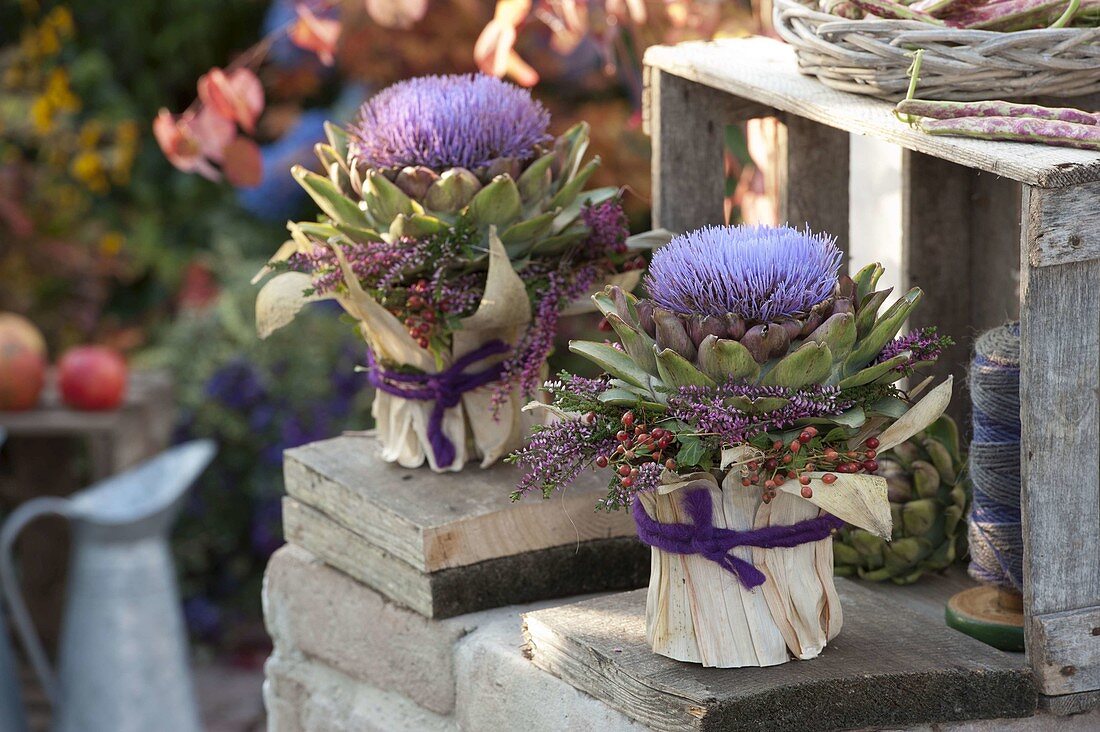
(929, 497)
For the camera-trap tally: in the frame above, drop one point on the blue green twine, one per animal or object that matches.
(996, 543)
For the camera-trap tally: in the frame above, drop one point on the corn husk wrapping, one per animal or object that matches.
(698, 612)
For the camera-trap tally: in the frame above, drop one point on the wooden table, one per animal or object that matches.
(991, 229)
(54, 450)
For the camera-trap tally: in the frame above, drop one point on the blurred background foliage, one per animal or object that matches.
(101, 240)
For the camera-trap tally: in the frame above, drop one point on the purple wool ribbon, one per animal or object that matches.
(703, 538)
(444, 389)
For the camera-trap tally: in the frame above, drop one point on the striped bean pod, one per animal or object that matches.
(1018, 129)
(951, 110)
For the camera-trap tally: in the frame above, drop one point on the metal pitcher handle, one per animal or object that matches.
(15, 523)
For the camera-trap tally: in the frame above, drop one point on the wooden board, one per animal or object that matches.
(1060, 459)
(433, 521)
(765, 71)
(597, 565)
(446, 544)
(890, 666)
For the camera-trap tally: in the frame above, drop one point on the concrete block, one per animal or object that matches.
(312, 697)
(318, 612)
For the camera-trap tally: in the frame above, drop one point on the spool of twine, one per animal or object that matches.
(996, 544)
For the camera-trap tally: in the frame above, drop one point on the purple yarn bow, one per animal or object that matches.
(444, 389)
(703, 538)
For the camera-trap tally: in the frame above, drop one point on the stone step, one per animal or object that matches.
(890, 666)
(446, 545)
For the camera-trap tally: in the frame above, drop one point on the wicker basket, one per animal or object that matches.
(873, 57)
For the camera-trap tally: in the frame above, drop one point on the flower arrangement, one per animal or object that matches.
(455, 231)
(741, 413)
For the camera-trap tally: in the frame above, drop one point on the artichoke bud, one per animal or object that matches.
(907, 452)
(867, 543)
(899, 487)
(813, 320)
(645, 317)
(453, 191)
(926, 479)
(701, 326)
(837, 332)
(735, 327)
(906, 550)
(501, 166)
(941, 458)
(622, 305)
(672, 335)
(793, 328)
(843, 305)
(845, 287)
(753, 341)
(918, 516)
(415, 181)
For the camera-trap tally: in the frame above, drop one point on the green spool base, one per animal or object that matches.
(989, 614)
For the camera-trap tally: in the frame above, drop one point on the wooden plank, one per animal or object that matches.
(1060, 460)
(936, 257)
(813, 176)
(889, 667)
(596, 565)
(1062, 226)
(433, 521)
(688, 130)
(1065, 650)
(1069, 704)
(994, 293)
(765, 71)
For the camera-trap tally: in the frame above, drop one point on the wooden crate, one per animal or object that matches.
(449, 544)
(991, 230)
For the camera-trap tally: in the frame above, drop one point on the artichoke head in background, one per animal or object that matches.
(929, 497)
(434, 152)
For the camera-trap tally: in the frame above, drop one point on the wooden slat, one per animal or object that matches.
(814, 179)
(765, 71)
(596, 565)
(434, 521)
(1062, 225)
(889, 667)
(1060, 460)
(686, 122)
(1065, 650)
(936, 216)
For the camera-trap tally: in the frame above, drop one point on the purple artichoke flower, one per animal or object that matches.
(760, 273)
(441, 122)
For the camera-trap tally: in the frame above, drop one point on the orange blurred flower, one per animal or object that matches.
(194, 140)
(237, 95)
(319, 35)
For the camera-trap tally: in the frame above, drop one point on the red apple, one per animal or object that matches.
(92, 378)
(22, 363)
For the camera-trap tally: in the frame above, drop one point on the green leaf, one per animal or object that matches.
(534, 183)
(760, 405)
(335, 204)
(675, 370)
(497, 204)
(722, 359)
(691, 450)
(890, 406)
(559, 244)
(884, 331)
(866, 279)
(358, 234)
(854, 417)
(810, 363)
(384, 200)
(572, 189)
(625, 398)
(873, 372)
(613, 361)
(526, 232)
(638, 344)
(338, 138)
(452, 192)
(415, 226)
(576, 141)
(868, 312)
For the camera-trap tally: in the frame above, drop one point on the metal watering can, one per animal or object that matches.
(123, 656)
(13, 718)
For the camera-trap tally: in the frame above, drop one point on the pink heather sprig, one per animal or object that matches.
(706, 408)
(647, 479)
(924, 344)
(608, 229)
(555, 455)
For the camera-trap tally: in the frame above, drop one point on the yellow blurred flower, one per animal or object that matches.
(61, 20)
(42, 115)
(59, 93)
(90, 133)
(89, 169)
(111, 243)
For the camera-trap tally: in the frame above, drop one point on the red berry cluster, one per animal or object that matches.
(423, 314)
(804, 455)
(637, 444)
